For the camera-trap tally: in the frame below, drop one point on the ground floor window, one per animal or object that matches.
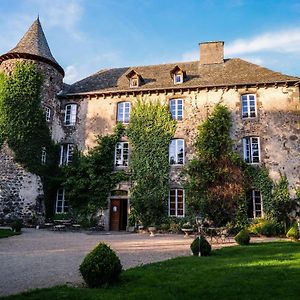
(176, 203)
(62, 205)
(255, 207)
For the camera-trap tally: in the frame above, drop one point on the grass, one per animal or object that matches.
(7, 233)
(258, 271)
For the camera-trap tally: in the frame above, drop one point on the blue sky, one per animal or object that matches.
(88, 35)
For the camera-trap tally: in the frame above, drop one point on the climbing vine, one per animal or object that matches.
(91, 177)
(215, 178)
(150, 131)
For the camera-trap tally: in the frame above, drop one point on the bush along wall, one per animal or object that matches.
(149, 132)
(23, 126)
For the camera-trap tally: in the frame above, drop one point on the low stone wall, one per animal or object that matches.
(21, 192)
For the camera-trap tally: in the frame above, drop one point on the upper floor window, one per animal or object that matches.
(70, 114)
(66, 154)
(43, 156)
(176, 152)
(251, 148)
(62, 205)
(249, 106)
(121, 154)
(176, 203)
(178, 75)
(134, 82)
(176, 109)
(48, 114)
(134, 78)
(123, 112)
(178, 78)
(255, 207)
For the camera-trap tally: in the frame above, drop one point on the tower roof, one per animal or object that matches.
(33, 45)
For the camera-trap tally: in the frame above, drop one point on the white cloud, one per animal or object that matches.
(71, 74)
(284, 41)
(190, 55)
(254, 59)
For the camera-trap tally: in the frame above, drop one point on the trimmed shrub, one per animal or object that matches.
(293, 233)
(243, 237)
(100, 267)
(267, 228)
(205, 246)
(17, 225)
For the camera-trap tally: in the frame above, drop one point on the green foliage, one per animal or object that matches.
(281, 200)
(243, 237)
(215, 178)
(17, 225)
(149, 131)
(293, 233)
(266, 227)
(205, 247)
(100, 267)
(91, 177)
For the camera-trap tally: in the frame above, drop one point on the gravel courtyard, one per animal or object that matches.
(43, 258)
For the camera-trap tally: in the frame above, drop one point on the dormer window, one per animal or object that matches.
(178, 75)
(135, 79)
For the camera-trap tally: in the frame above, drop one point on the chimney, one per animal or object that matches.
(211, 53)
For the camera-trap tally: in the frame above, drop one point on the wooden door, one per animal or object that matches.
(115, 208)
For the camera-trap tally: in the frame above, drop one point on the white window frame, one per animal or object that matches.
(253, 202)
(246, 99)
(70, 114)
(176, 203)
(120, 161)
(174, 102)
(180, 76)
(134, 82)
(248, 146)
(66, 154)
(176, 159)
(121, 112)
(64, 205)
(48, 114)
(44, 156)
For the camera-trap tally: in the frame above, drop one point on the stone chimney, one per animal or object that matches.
(211, 53)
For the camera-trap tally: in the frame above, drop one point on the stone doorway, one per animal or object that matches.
(118, 214)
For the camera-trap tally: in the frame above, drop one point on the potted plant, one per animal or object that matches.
(187, 229)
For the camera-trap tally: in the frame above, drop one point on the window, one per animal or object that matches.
(176, 152)
(178, 78)
(121, 154)
(251, 149)
(48, 114)
(254, 201)
(248, 106)
(123, 112)
(70, 114)
(44, 156)
(134, 82)
(176, 109)
(176, 203)
(62, 205)
(66, 154)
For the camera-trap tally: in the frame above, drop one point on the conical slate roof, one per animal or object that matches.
(33, 45)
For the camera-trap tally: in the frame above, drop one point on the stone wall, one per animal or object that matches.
(21, 192)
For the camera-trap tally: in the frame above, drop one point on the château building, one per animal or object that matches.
(264, 108)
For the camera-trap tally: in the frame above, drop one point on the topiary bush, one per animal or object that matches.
(100, 267)
(243, 237)
(205, 247)
(266, 227)
(293, 233)
(17, 225)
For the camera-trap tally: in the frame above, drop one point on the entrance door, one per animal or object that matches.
(118, 214)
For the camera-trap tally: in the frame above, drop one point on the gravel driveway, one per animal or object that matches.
(43, 258)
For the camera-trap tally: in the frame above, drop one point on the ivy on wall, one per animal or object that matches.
(23, 125)
(91, 177)
(149, 132)
(215, 178)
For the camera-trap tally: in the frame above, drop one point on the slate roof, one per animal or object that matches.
(33, 44)
(229, 73)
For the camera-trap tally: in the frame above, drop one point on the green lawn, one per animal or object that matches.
(7, 233)
(259, 271)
